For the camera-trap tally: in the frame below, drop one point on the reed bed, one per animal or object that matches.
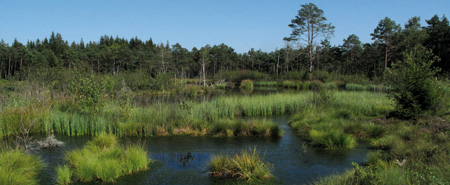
(18, 167)
(257, 105)
(187, 118)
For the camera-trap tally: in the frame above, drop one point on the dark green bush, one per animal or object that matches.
(88, 92)
(238, 76)
(414, 87)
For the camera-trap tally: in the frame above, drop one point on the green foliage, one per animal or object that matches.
(301, 75)
(415, 89)
(246, 85)
(252, 127)
(63, 175)
(24, 119)
(18, 167)
(248, 165)
(102, 159)
(332, 139)
(238, 76)
(88, 92)
(104, 141)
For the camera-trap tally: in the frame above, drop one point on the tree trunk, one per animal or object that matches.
(386, 56)
(9, 65)
(203, 71)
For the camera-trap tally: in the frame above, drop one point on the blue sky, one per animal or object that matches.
(241, 24)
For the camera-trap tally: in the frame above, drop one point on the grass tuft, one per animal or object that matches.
(102, 159)
(247, 165)
(18, 167)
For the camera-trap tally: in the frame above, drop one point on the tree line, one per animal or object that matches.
(114, 55)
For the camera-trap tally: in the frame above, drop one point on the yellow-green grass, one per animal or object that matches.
(407, 152)
(102, 159)
(63, 175)
(246, 85)
(247, 165)
(169, 119)
(337, 123)
(18, 167)
(254, 127)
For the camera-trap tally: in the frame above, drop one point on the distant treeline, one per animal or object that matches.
(114, 55)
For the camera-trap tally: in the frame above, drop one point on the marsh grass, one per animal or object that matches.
(247, 165)
(175, 119)
(104, 160)
(63, 175)
(338, 122)
(246, 85)
(18, 167)
(332, 139)
(252, 127)
(266, 83)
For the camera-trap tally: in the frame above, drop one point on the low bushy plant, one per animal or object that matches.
(414, 87)
(246, 85)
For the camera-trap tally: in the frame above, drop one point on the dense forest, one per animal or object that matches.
(115, 55)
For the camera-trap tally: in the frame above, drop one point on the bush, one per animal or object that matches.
(238, 76)
(88, 92)
(414, 87)
(246, 85)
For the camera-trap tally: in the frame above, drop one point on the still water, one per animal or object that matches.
(184, 159)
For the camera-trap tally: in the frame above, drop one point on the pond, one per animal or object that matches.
(184, 159)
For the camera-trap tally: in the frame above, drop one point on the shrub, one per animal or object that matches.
(88, 92)
(414, 88)
(238, 76)
(246, 85)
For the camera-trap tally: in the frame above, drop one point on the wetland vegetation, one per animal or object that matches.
(112, 94)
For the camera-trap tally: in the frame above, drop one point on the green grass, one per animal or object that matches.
(63, 175)
(247, 165)
(332, 139)
(253, 127)
(371, 87)
(246, 85)
(266, 83)
(102, 159)
(18, 167)
(186, 118)
(405, 152)
(343, 118)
